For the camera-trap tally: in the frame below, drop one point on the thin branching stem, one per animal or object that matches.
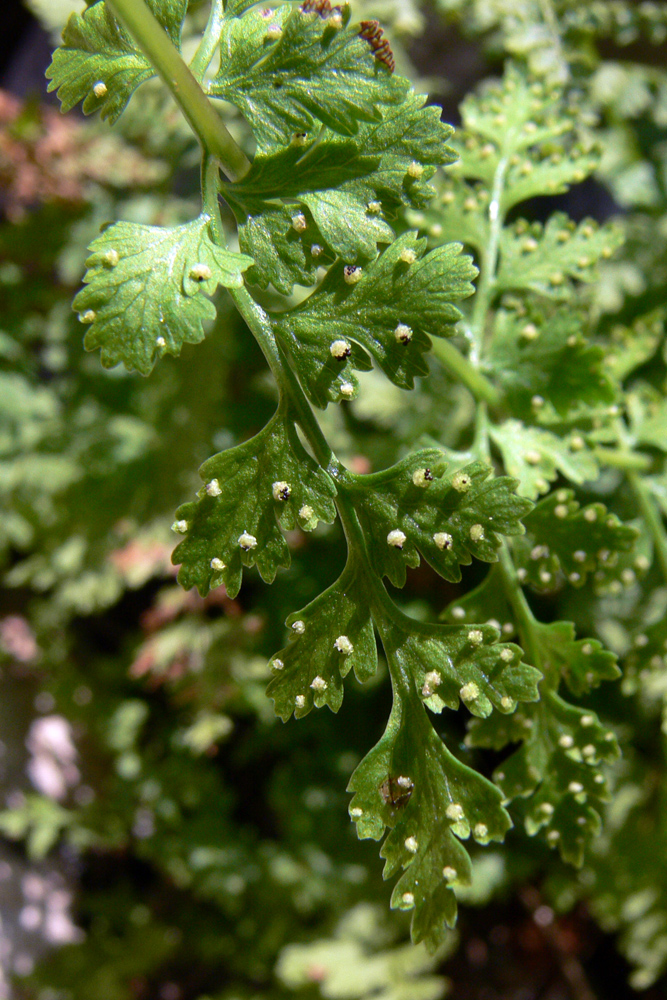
(202, 117)
(260, 326)
(622, 458)
(467, 369)
(210, 40)
(524, 616)
(483, 303)
(652, 517)
(489, 265)
(384, 610)
(460, 367)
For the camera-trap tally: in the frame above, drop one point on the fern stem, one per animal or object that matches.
(486, 287)
(154, 41)
(210, 40)
(482, 444)
(260, 327)
(623, 459)
(520, 606)
(653, 518)
(456, 364)
(210, 179)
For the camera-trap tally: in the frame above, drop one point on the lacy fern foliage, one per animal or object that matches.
(338, 200)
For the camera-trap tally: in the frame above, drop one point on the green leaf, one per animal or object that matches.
(582, 663)
(409, 137)
(536, 456)
(547, 259)
(446, 663)
(548, 170)
(329, 637)
(513, 148)
(281, 255)
(234, 8)
(644, 663)
(348, 227)
(146, 290)
(408, 143)
(547, 357)
(558, 767)
(486, 602)
(631, 346)
(345, 190)
(287, 70)
(288, 244)
(322, 164)
(563, 539)
(98, 62)
(515, 113)
(362, 309)
(250, 490)
(412, 784)
(454, 664)
(448, 520)
(460, 213)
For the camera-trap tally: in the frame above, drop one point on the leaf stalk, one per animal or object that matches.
(524, 616)
(487, 284)
(202, 117)
(260, 326)
(210, 40)
(385, 611)
(654, 521)
(483, 390)
(619, 458)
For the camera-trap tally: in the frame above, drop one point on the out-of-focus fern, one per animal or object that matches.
(610, 107)
(546, 385)
(554, 35)
(353, 965)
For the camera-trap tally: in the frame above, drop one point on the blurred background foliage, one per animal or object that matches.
(165, 837)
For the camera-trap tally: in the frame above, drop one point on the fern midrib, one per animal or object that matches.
(489, 263)
(652, 516)
(166, 59)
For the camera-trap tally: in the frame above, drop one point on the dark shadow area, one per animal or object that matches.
(25, 52)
